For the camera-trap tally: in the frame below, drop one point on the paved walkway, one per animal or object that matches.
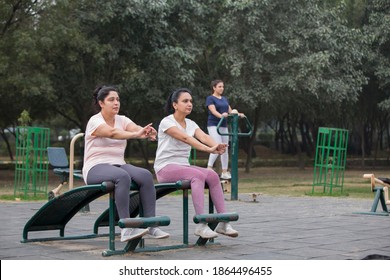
(274, 228)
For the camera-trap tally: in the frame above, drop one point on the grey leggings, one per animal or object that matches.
(122, 176)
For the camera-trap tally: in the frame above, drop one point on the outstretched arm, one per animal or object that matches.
(132, 131)
(149, 131)
(205, 142)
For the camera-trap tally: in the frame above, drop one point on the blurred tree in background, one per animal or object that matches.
(291, 67)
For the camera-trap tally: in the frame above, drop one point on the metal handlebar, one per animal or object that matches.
(234, 150)
(248, 124)
(71, 158)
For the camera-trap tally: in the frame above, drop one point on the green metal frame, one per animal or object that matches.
(50, 217)
(234, 150)
(212, 220)
(330, 159)
(138, 245)
(56, 213)
(379, 197)
(31, 165)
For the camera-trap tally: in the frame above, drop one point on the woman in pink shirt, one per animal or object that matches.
(106, 137)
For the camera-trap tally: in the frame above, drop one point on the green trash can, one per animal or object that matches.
(330, 159)
(31, 163)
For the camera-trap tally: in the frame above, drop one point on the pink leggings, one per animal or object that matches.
(198, 176)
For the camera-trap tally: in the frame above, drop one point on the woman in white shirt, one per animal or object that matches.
(106, 137)
(176, 135)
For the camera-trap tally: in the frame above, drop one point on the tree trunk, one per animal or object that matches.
(362, 143)
(5, 138)
(252, 140)
(297, 146)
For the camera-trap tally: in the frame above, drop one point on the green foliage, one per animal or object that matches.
(24, 119)
(295, 61)
(301, 54)
(24, 83)
(377, 28)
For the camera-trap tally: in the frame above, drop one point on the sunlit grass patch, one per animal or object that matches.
(11, 197)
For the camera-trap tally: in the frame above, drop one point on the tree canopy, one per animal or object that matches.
(293, 66)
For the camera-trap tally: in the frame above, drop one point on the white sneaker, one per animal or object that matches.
(128, 234)
(157, 233)
(204, 231)
(226, 229)
(226, 175)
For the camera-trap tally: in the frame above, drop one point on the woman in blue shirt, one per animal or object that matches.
(218, 106)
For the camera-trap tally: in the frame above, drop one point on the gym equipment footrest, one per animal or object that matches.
(212, 220)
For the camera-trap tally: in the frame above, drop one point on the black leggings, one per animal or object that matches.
(122, 176)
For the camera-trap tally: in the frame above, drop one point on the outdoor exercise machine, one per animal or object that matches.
(330, 159)
(61, 208)
(381, 194)
(56, 213)
(234, 133)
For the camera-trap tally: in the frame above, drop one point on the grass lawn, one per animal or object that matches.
(289, 181)
(292, 181)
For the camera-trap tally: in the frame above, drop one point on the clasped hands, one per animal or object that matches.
(148, 131)
(219, 148)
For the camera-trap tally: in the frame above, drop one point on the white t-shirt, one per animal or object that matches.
(169, 149)
(102, 149)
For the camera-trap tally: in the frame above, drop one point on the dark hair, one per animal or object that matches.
(214, 83)
(174, 97)
(100, 93)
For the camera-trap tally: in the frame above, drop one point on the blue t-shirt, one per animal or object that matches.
(221, 105)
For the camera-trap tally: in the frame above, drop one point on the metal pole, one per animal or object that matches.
(71, 158)
(234, 149)
(234, 157)
(71, 166)
(111, 221)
